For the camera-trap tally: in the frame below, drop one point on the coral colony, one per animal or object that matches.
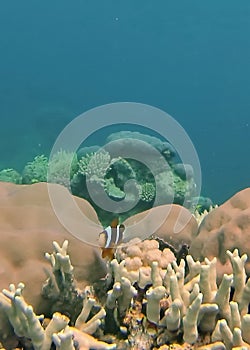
(189, 291)
(142, 303)
(111, 172)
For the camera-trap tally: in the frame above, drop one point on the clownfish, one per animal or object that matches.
(110, 237)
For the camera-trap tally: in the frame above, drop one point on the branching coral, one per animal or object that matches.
(60, 287)
(10, 175)
(189, 307)
(151, 167)
(36, 171)
(152, 302)
(95, 166)
(147, 192)
(137, 180)
(62, 166)
(27, 324)
(60, 169)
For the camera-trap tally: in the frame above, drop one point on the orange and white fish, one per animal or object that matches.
(110, 237)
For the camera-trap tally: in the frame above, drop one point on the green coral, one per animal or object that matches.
(62, 166)
(10, 175)
(158, 180)
(112, 190)
(147, 192)
(121, 171)
(95, 165)
(36, 170)
(180, 189)
(59, 169)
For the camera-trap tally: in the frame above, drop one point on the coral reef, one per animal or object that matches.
(226, 227)
(113, 170)
(27, 216)
(154, 294)
(59, 169)
(188, 308)
(41, 333)
(156, 171)
(151, 174)
(168, 309)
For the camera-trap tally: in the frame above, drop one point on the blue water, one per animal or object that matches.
(190, 58)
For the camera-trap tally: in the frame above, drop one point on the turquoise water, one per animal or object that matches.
(189, 58)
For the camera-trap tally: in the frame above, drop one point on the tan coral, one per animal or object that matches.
(225, 228)
(173, 223)
(28, 225)
(144, 251)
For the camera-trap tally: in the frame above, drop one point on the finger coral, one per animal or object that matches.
(173, 310)
(190, 308)
(26, 324)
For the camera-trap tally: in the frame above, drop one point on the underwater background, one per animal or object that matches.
(188, 58)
